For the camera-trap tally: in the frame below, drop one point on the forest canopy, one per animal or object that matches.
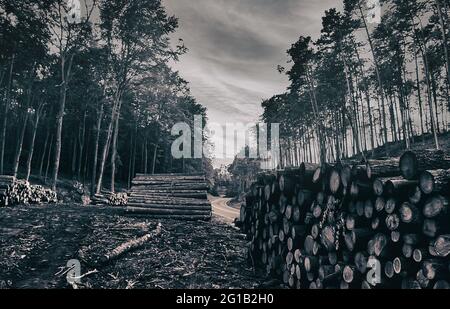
(364, 84)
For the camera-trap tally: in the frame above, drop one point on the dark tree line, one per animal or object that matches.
(93, 99)
(360, 86)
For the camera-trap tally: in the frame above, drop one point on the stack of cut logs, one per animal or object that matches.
(118, 199)
(16, 192)
(110, 199)
(175, 196)
(381, 224)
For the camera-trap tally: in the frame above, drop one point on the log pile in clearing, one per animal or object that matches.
(111, 199)
(328, 226)
(175, 196)
(18, 192)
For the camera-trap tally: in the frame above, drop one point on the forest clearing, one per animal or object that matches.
(37, 243)
(111, 174)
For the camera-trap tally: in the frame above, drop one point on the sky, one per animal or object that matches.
(235, 47)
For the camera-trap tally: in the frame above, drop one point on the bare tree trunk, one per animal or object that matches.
(5, 116)
(349, 97)
(444, 38)
(435, 100)
(81, 141)
(24, 126)
(146, 156)
(48, 158)
(419, 96)
(430, 103)
(114, 113)
(424, 51)
(86, 156)
(377, 71)
(114, 154)
(74, 154)
(20, 145)
(130, 159)
(319, 125)
(33, 138)
(65, 75)
(133, 171)
(41, 164)
(97, 141)
(155, 153)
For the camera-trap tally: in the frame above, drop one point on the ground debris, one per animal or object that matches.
(37, 242)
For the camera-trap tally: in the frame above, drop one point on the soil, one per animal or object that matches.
(37, 242)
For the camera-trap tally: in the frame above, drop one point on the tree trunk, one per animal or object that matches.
(419, 96)
(130, 159)
(33, 138)
(133, 170)
(146, 156)
(97, 141)
(377, 71)
(20, 145)
(155, 153)
(81, 141)
(424, 51)
(24, 126)
(65, 74)
(48, 158)
(114, 113)
(41, 164)
(114, 154)
(5, 116)
(74, 154)
(444, 38)
(86, 157)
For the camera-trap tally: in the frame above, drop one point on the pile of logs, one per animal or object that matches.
(175, 196)
(19, 192)
(118, 199)
(381, 224)
(101, 199)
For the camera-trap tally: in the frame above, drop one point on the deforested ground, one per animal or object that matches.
(37, 242)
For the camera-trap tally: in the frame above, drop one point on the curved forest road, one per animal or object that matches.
(222, 211)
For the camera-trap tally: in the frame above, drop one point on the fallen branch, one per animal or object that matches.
(132, 244)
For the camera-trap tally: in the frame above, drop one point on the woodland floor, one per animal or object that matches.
(426, 141)
(37, 242)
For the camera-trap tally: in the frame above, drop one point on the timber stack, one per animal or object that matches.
(173, 196)
(20, 192)
(329, 226)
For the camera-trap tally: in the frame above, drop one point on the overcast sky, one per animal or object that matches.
(235, 47)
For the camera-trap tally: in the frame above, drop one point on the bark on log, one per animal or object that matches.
(435, 206)
(399, 187)
(383, 168)
(441, 246)
(409, 213)
(167, 212)
(174, 207)
(132, 244)
(436, 181)
(412, 163)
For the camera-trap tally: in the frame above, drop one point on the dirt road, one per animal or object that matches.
(223, 211)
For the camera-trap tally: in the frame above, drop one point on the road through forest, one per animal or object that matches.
(223, 211)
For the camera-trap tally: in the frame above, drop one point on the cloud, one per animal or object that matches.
(235, 47)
